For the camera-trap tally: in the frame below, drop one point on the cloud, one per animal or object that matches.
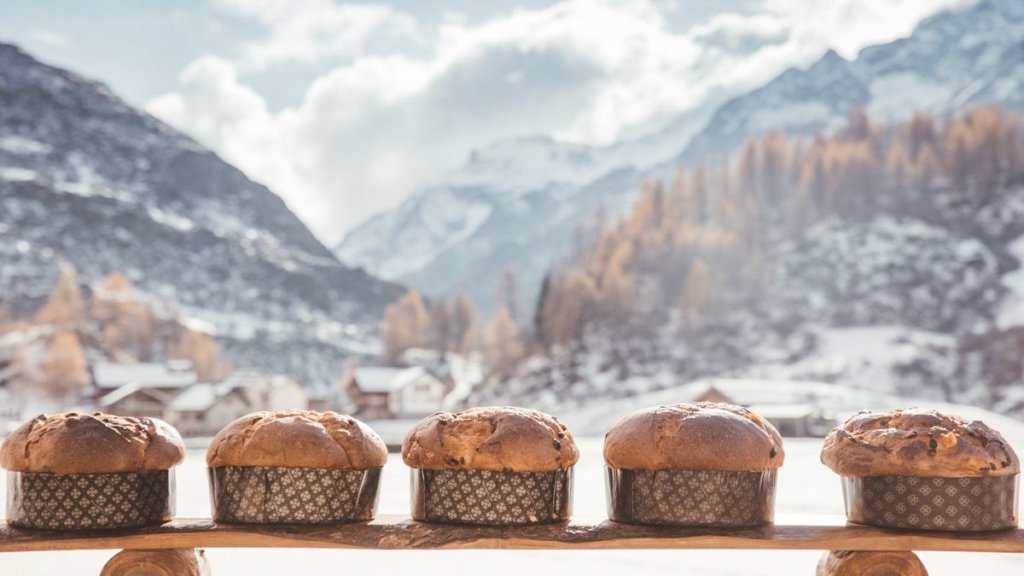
(313, 31)
(48, 38)
(400, 105)
(742, 34)
(849, 25)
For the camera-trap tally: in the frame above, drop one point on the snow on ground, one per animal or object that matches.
(1011, 312)
(860, 356)
(898, 95)
(808, 493)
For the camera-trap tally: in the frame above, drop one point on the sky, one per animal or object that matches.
(345, 109)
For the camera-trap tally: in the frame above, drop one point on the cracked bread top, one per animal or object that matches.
(298, 439)
(916, 442)
(76, 443)
(490, 438)
(694, 436)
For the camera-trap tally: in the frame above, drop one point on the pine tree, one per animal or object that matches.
(701, 196)
(898, 167)
(463, 322)
(957, 154)
(64, 307)
(695, 292)
(616, 287)
(926, 168)
(503, 346)
(507, 293)
(749, 171)
(127, 326)
(858, 126)
(112, 297)
(406, 324)
(65, 370)
(921, 129)
(201, 350)
(22, 376)
(441, 327)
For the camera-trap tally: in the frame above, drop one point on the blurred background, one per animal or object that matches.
(212, 207)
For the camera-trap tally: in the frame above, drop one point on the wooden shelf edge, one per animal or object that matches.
(397, 532)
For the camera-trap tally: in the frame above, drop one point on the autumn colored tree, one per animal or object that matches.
(707, 229)
(111, 297)
(921, 130)
(503, 345)
(898, 167)
(22, 375)
(65, 370)
(406, 324)
(64, 307)
(858, 126)
(569, 306)
(201, 350)
(926, 167)
(508, 294)
(695, 292)
(441, 338)
(463, 322)
(127, 326)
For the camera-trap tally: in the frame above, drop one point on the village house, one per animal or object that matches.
(204, 408)
(142, 389)
(171, 391)
(273, 393)
(165, 377)
(794, 410)
(383, 392)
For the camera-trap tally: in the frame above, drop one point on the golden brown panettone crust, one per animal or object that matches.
(694, 436)
(917, 442)
(76, 443)
(298, 439)
(490, 438)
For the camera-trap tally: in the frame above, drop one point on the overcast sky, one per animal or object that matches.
(344, 109)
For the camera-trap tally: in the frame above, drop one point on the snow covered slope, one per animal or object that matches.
(516, 204)
(85, 178)
(975, 55)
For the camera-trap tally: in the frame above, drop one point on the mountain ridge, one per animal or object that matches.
(408, 254)
(87, 179)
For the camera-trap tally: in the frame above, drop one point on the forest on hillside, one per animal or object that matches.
(699, 246)
(732, 262)
(48, 355)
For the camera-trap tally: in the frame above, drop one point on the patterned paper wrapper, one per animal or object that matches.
(949, 504)
(89, 501)
(691, 497)
(279, 495)
(494, 498)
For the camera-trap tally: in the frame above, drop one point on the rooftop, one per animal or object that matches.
(172, 374)
(384, 379)
(126, 391)
(200, 397)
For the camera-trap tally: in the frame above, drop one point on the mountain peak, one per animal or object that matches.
(951, 59)
(87, 179)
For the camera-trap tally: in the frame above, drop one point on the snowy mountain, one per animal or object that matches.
(952, 59)
(87, 179)
(518, 204)
(515, 204)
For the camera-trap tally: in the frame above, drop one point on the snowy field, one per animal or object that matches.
(808, 493)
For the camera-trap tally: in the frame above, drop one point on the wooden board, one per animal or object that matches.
(397, 532)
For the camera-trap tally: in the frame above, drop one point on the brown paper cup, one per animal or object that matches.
(950, 504)
(89, 501)
(279, 495)
(495, 498)
(691, 497)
